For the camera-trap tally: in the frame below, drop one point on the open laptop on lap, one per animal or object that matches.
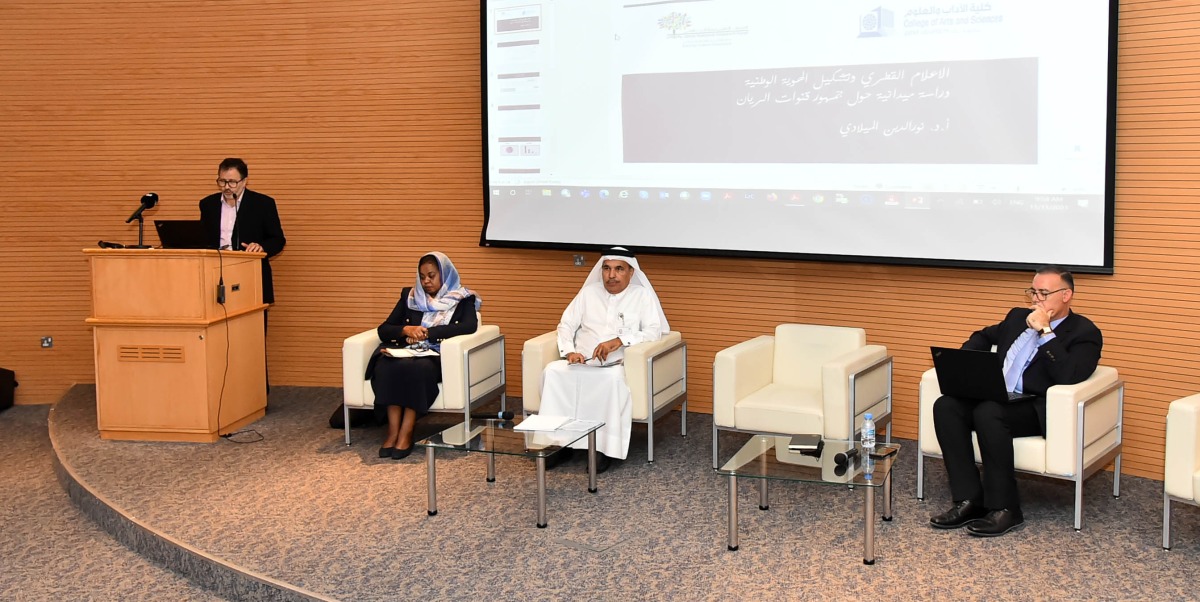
(968, 374)
(181, 234)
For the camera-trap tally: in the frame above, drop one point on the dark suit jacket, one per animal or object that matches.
(1069, 358)
(257, 221)
(391, 332)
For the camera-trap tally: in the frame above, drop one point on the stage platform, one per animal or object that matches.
(298, 515)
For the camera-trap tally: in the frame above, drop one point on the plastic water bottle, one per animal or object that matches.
(868, 433)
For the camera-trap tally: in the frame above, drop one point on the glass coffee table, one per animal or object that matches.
(492, 437)
(767, 458)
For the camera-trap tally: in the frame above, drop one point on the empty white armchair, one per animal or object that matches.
(472, 372)
(1083, 433)
(655, 371)
(806, 379)
(1181, 476)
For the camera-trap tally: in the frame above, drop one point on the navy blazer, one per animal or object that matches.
(257, 221)
(391, 332)
(1069, 358)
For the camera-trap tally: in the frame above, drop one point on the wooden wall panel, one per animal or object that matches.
(363, 119)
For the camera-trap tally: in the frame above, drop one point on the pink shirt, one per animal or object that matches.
(228, 218)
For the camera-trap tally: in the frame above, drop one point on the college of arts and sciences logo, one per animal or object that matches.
(675, 22)
(875, 23)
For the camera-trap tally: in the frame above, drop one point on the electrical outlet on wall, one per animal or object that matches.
(47, 342)
(578, 260)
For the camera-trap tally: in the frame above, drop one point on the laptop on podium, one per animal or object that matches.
(968, 374)
(181, 234)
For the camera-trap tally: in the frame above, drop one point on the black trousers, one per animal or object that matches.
(996, 424)
(266, 372)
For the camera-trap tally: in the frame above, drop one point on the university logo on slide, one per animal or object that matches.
(675, 22)
(875, 23)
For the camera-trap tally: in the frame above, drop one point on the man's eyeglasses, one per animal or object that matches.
(1041, 294)
(224, 183)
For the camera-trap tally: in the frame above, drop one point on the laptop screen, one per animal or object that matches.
(181, 234)
(969, 374)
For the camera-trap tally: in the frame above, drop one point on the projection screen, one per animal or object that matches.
(975, 134)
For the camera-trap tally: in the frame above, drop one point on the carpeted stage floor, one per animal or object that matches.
(299, 515)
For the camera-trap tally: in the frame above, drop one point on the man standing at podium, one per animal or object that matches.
(242, 220)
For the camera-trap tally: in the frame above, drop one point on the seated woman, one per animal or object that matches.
(438, 308)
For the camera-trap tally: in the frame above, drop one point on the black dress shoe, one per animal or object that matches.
(385, 452)
(558, 458)
(996, 523)
(400, 453)
(962, 514)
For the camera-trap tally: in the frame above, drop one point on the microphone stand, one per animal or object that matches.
(141, 222)
(148, 200)
(141, 242)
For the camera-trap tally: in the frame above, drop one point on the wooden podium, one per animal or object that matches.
(173, 364)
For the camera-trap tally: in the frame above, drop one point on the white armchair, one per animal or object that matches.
(1181, 473)
(1083, 433)
(472, 372)
(804, 379)
(656, 373)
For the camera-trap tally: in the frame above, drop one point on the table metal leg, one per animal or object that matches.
(869, 525)
(733, 517)
(491, 475)
(887, 497)
(431, 476)
(541, 484)
(592, 462)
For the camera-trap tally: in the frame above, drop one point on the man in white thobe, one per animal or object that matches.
(616, 308)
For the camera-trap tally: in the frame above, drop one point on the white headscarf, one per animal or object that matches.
(639, 278)
(438, 309)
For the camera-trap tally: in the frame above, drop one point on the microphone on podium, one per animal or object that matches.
(506, 415)
(150, 199)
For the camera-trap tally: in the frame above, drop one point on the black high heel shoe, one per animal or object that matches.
(386, 452)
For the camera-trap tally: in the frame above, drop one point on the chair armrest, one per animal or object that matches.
(871, 369)
(1183, 447)
(665, 359)
(356, 352)
(536, 354)
(930, 391)
(481, 354)
(1100, 399)
(739, 371)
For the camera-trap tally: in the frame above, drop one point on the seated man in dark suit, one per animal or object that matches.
(1043, 345)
